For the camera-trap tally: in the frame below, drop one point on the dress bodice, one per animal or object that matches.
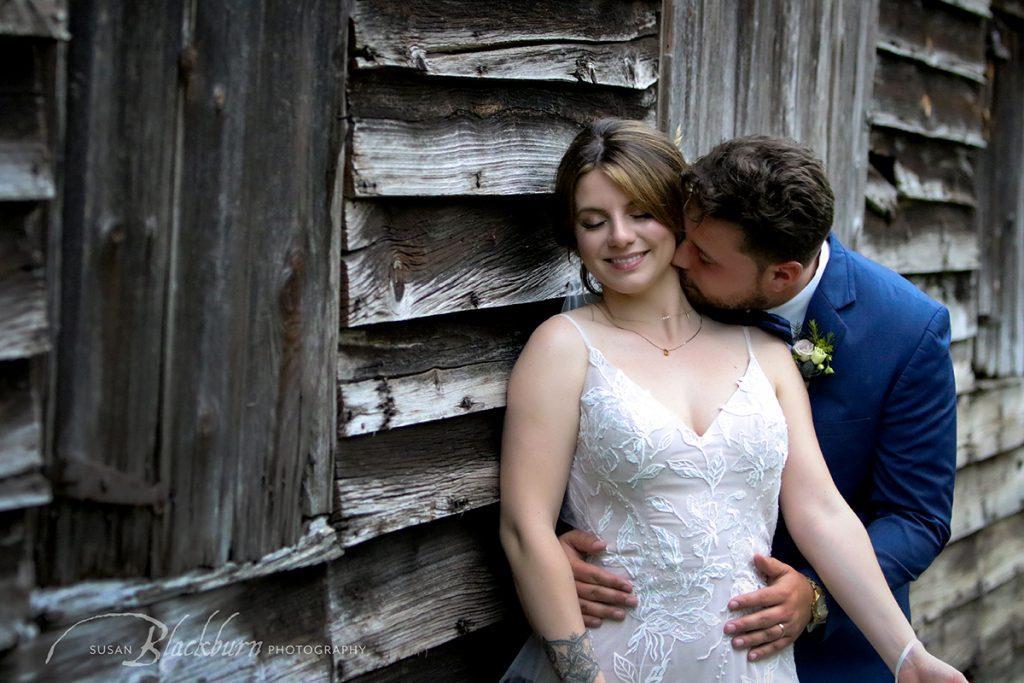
(683, 515)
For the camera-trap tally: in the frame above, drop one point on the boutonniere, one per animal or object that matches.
(813, 353)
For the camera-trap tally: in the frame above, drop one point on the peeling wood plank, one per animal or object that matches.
(956, 291)
(925, 102)
(632, 64)
(962, 353)
(34, 18)
(881, 195)
(936, 35)
(462, 156)
(990, 420)
(988, 491)
(65, 605)
(395, 350)
(418, 474)
(428, 258)
(924, 170)
(24, 328)
(26, 172)
(401, 34)
(416, 589)
(935, 60)
(968, 568)
(409, 96)
(374, 405)
(922, 237)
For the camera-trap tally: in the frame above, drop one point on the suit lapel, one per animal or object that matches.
(835, 292)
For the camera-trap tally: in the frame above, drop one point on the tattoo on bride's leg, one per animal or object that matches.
(573, 658)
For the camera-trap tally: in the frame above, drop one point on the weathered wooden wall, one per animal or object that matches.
(777, 67)
(944, 185)
(193, 405)
(32, 43)
(227, 203)
(459, 115)
(937, 138)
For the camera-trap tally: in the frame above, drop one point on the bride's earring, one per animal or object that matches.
(588, 284)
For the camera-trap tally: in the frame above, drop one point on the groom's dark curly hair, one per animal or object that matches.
(774, 188)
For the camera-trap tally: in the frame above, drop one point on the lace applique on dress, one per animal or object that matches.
(683, 515)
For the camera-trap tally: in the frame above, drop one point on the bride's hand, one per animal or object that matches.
(923, 667)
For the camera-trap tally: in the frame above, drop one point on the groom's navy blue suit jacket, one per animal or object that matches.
(886, 422)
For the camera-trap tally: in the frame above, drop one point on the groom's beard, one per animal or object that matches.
(708, 306)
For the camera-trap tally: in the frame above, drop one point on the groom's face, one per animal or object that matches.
(715, 271)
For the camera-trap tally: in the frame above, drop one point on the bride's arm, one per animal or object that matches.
(538, 442)
(834, 540)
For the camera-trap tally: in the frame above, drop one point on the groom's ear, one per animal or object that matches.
(782, 276)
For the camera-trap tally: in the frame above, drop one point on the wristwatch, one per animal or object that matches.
(819, 608)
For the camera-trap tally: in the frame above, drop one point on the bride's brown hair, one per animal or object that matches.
(642, 161)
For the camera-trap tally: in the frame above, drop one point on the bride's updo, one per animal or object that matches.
(642, 161)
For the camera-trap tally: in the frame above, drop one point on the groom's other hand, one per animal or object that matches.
(602, 595)
(785, 600)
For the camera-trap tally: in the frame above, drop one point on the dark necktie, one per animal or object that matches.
(773, 324)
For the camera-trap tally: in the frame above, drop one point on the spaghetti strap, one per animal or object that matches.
(746, 335)
(586, 341)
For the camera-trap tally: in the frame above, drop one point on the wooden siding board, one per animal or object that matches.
(252, 323)
(809, 87)
(56, 606)
(116, 245)
(34, 18)
(632, 64)
(922, 237)
(990, 420)
(24, 324)
(925, 170)
(1000, 218)
(415, 589)
(406, 34)
(429, 258)
(413, 475)
(395, 350)
(988, 491)
(956, 291)
(942, 38)
(913, 99)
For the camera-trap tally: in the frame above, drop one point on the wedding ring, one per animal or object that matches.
(782, 630)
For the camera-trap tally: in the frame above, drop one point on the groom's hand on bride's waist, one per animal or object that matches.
(602, 594)
(781, 610)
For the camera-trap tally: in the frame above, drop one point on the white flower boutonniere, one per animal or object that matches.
(813, 354)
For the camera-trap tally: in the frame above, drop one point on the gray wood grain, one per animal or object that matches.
(419, 258)
(1000, 217)
(728, 76)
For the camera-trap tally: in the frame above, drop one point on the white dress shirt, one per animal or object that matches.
(795, 310)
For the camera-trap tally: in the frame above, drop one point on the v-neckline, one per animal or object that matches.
(668, 411)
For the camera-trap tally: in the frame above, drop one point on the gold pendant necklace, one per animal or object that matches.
(664, 350)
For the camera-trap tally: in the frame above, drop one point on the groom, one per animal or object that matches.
(758, 250)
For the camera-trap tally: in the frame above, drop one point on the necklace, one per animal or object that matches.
(664, 317)
(664, 350)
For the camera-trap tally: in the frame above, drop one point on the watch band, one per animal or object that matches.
(819, 609)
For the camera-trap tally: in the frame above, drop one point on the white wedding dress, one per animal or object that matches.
(683, 515)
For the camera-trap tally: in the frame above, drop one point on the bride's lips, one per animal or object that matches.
(629, 261)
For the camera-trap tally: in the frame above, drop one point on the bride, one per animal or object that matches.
(675, 437)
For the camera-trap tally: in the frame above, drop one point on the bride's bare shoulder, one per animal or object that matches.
(772, 353)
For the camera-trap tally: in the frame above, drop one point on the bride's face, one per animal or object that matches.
(625, 249)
